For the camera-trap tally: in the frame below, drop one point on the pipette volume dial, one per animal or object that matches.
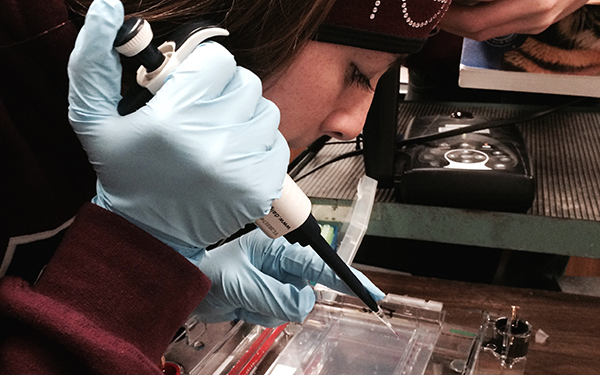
(135, 39)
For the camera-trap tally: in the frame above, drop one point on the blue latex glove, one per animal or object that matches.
(268, 279)
(203, 158)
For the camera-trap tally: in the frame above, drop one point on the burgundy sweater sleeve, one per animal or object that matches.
(109, 302)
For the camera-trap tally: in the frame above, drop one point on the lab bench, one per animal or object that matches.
(565, 216)
(569, 320)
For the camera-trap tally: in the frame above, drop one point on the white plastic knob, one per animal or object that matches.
(138, 42)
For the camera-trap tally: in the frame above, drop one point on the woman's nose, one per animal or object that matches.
(347, 121)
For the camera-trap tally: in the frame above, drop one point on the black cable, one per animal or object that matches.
(336, 159)
(307, 155)
(484, 125)
(341, 142)
(467, 129)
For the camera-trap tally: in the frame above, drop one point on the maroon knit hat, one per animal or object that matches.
(396, 26)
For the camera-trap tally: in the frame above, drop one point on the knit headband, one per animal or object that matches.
(396, 26)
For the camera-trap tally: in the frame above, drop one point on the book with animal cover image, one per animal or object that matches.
(564, 59)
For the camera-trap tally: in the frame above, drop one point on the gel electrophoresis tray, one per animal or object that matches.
(338, 337)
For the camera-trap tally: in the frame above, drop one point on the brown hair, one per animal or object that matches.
(265, 35)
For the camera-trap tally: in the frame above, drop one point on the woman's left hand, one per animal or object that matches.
(266, 281)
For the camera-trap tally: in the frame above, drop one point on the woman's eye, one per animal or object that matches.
(359, 79)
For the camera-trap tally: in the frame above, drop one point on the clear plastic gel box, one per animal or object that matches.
(338, 337)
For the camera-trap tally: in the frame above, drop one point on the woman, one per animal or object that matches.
(207, 155)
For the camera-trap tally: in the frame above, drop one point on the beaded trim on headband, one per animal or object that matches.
(397, 26)
(413, 23)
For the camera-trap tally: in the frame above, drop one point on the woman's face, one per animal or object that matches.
(327, 90)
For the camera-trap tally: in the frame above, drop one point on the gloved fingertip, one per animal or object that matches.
(102, 22)
(100, 6)
(373, 290)
(376, 293)
(94, 67)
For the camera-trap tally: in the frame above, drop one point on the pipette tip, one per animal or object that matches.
(381, 316)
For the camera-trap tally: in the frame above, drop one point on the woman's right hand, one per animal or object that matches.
(485, 19)
(203, 158)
